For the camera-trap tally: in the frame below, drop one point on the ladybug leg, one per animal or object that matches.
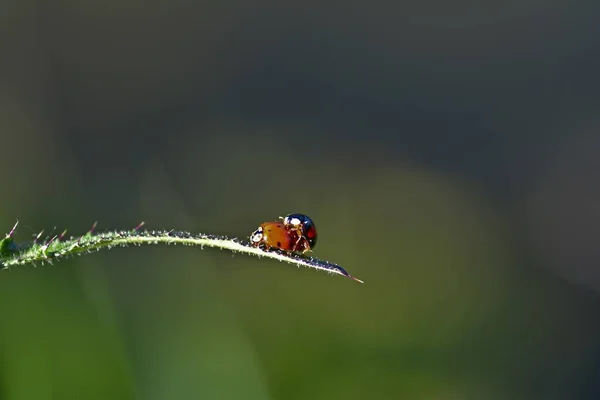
(307, 248)
(299, 244)
(302, 245)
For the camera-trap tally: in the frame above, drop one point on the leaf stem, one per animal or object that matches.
(57, 248)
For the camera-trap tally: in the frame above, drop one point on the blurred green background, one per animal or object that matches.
(448, 153)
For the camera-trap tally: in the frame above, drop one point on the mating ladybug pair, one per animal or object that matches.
(294, 233)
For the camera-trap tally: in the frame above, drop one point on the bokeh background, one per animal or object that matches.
(447, 151)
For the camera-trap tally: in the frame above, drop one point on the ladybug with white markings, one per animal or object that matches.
(295, 234)
(304, 228)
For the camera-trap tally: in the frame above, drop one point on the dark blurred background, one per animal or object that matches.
(448, 153)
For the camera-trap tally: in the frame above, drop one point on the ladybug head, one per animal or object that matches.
(257, 236)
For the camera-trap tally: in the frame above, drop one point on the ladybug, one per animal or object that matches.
(304, 228)
(274, 234)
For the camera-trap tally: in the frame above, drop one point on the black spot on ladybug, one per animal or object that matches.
(278, 244)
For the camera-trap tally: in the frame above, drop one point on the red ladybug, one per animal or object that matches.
(304, 228)
(297, 233)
